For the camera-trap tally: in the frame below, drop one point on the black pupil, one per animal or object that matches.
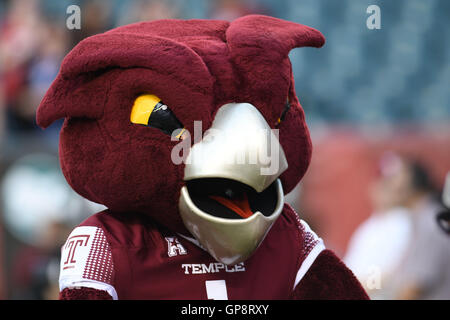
(287, 106)
(164, 119)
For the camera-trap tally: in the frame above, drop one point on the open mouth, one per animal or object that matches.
(230, 199)
(230, 206)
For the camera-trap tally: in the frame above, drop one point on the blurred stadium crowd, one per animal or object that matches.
(377, 103)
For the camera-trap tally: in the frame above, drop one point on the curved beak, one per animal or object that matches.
(240, 146)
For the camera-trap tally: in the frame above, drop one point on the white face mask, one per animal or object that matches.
(258, 162)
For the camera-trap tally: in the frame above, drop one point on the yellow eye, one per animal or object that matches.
(149, 110)
(287, 106)
(143, 107)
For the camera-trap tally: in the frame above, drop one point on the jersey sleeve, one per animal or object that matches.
(311, 247)
(86, 261)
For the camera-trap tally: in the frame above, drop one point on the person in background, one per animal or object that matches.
(443, 217)
(410, 256)
(425, 270)
(35, 269)
(379, 243)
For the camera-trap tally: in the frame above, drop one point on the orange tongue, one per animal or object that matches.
(240, 206)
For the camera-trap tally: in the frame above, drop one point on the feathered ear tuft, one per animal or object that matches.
(273, 37)
(72, 98)
(259, 46)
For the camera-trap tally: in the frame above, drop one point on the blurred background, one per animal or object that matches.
(377, 103)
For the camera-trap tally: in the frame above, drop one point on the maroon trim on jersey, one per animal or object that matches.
(99, 264)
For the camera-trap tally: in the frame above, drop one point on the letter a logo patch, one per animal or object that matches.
(174, 247)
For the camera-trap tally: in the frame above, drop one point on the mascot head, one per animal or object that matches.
(135, 98)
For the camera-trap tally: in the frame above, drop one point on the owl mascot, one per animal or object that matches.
(189, 133)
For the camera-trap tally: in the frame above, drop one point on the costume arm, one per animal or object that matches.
(84, 294)
(329, 278)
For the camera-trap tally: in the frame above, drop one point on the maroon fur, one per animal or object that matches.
(84, 294)
(328, 278)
